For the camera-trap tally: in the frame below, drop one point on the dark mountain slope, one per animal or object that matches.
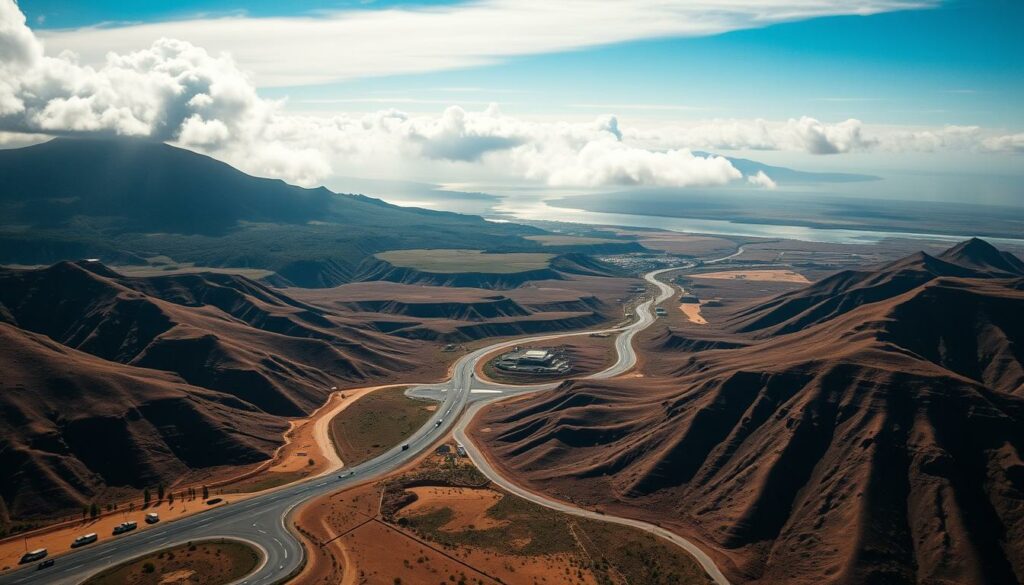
(157, 187)
(73, 424)
(222, 332)
(849, 289)
(882, 444)
(123, 201)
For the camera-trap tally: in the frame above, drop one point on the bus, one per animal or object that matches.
(84, 540)
(34, 555)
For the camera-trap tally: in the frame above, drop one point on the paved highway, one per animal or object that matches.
(262, 519)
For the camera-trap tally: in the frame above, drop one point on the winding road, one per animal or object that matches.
(262, 520)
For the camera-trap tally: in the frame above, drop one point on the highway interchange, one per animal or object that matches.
(262, 520)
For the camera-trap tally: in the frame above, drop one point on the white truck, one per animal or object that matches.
(125, 527)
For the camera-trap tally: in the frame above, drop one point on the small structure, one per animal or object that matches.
(461, 450)
(534, 361)
(689, 299)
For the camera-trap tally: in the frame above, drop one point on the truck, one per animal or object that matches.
(84, 540)
(34, 555)
(152, 518)
(125, 527)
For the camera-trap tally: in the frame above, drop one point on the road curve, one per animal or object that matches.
(706, 562)
(263, 518)
(627, 358)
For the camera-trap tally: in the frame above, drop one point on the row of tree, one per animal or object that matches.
(93, 509)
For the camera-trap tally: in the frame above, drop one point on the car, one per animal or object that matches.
(152, 518)
(84, 540)
(405, 447)
(44, 565)
(125, 527)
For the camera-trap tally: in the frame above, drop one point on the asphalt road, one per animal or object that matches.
(261, 520)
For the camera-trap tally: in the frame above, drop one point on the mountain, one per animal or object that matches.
(871, 431)
(125, 201)
(113, 382)
(222, 332)
(850, 289)
(74, 424)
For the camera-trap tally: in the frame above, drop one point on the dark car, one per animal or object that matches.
(44, 565)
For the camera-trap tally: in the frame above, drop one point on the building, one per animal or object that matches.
(534, 361)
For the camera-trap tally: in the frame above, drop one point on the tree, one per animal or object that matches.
(85, 511)
(146, 497)
(160, 492)
(206, 493)
(94, 510)
(170, 498)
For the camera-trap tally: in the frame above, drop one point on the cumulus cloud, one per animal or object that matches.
(762, 180)
(175, 91)
(306, 50)
(1008, 143)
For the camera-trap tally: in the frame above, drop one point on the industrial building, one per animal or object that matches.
(534, 361)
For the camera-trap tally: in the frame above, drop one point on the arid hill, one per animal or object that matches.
(227, 333)
(116, 383)
(74, 423)
(871, 432)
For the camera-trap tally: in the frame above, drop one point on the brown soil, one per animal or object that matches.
(58, 541)
(212, 562)
(118, 366)
(308, 439)
(692, 312)
(865, 428)
(757, 275)
(469, 505)
(484, 536)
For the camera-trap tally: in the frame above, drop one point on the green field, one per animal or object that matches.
(210, 562)
(557, 240)
(188, 268)
(614, 554)
(457, 261)
(375, 423)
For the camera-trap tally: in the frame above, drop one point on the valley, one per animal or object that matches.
(728, 439)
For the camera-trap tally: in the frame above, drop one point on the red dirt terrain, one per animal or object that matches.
(869, 429)
(117, 383)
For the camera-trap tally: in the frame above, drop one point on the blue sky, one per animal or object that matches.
(958, 63)
(591, 94)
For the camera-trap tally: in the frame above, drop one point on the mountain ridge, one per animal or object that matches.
(880, 441)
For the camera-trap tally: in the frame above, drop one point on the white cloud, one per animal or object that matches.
(307, 50)
(1008, 143)
(762, 180)
(176, 91)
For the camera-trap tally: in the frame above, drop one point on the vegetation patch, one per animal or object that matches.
(209, 562)
(459, 261)
(375, 423)
(613, 554)
(560, 240)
